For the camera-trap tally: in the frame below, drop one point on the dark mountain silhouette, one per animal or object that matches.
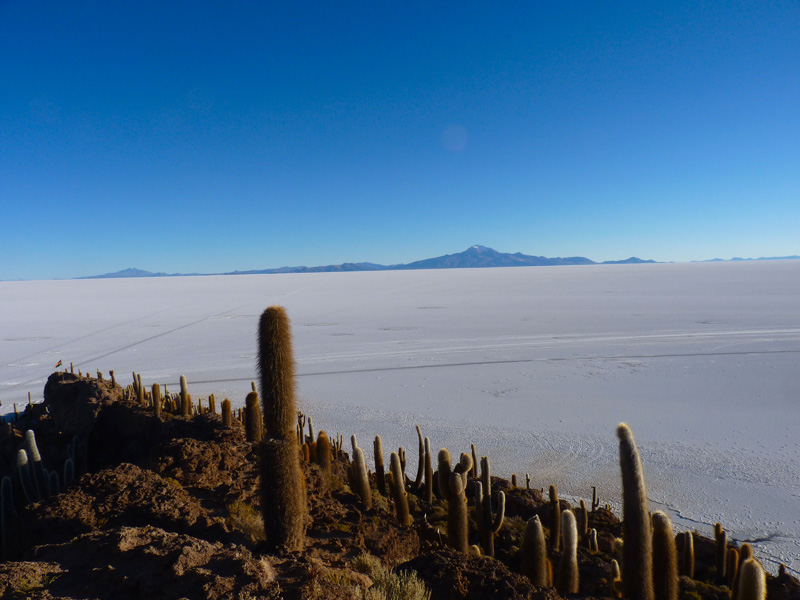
(481, 257)
(471, 258)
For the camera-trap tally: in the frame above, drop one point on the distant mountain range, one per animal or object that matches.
(471, 258)
(737, 259)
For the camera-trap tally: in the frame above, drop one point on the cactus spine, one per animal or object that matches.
(534, 553)
(567, 573)
(637, 553)
(359, 474)
(665, 558)
(283, 496)
(398, 490)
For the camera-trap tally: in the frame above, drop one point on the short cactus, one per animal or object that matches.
(428, 489)
(254, 427)
(323, 454)
(36, 467)
(665, 558)
(731, 567)
(534, 553)
(688, 555)
(752, 581)
(25, 479)
(227, 415)
(567, 574)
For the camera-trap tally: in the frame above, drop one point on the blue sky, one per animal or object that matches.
(206, 137)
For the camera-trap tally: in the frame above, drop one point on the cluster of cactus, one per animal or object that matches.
(35, 482)
(650, 551)
(650, 558)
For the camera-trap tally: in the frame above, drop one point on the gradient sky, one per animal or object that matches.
(206, 137)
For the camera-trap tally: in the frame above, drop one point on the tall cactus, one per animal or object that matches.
(428, 490)
(721, 538)
(555, 519)
(380, 473)
(567, 573)
(452, 483)
(637, 554)
(457, 532)
(534, 553)
(156, 392)
(186, 402)
(283, 495)
(398, 490)
(488, 523)
(359, 474)
(665, 558)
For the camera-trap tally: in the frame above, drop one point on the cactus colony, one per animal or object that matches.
(649, 552)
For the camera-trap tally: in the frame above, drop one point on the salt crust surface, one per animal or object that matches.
(535, 365)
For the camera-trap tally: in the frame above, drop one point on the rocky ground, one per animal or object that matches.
(168, 507)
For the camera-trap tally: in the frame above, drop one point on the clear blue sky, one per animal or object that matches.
(206, 136)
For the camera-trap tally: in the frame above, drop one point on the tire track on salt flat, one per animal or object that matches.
(108, 353)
